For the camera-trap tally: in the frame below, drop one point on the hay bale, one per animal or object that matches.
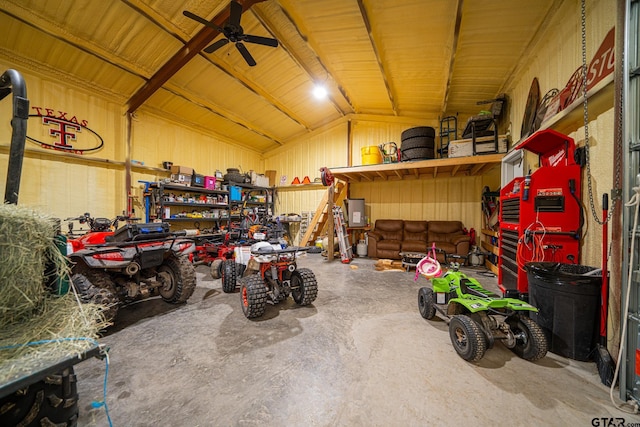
(37, 327)
(62, 328)
(27, 244)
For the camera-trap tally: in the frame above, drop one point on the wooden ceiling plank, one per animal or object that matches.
(376, 51)
(192, 48)
(455, 170)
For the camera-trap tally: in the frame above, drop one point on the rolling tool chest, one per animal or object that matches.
(541, 214)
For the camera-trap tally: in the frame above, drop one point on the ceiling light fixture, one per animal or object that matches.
(320, 91)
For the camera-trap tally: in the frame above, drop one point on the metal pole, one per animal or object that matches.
(13, 79)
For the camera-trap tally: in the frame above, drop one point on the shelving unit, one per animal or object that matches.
(191, 207)
(194, 207)
(250, 198)
(489, 243)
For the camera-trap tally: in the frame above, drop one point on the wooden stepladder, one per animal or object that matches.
(320, 220)
(346, 252)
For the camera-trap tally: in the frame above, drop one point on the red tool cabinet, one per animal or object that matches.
(541, 214)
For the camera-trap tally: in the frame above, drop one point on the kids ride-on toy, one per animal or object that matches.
(277, 278)
(477, 318)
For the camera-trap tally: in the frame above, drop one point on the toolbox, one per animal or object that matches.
(197, 180)
(140, 231)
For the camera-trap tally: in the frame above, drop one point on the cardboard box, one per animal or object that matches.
(181, 174)
(259, 180)
(271, 174)
(484, 145)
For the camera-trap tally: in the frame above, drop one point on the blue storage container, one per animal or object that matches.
(235, 193)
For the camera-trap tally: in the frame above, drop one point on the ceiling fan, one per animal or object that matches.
(233, 32)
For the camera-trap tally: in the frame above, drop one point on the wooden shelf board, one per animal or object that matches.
(434, 168)
(492, 267)
(490, 248)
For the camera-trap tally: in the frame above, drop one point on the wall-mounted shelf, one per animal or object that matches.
(420, 169)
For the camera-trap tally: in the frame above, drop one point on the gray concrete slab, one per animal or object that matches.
(361, 355)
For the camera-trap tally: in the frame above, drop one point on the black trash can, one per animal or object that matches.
(568, 300)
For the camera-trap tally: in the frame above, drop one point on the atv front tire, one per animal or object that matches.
(304, 286)
(467, 338)
(426, 303)
(178, 278)
(229, 275)
(96, 287)
(51, 401)
(216, 268)
(531, 341)
(253, 296)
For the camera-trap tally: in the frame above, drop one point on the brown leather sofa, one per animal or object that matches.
(390, 237)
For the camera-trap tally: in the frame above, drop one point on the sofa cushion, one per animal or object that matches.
(444, 231)
(390, 229)
(392, 245)
(415, 230)
(414, 246)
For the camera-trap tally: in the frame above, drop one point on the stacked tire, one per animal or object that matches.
(234, 175)
(418, 143)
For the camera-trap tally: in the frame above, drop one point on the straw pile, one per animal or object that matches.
(37, 327)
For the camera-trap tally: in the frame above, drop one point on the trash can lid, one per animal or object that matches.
(567, 275)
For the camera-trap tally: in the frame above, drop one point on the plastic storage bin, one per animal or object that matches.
(568, 299)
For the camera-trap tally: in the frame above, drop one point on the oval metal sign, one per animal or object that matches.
(66, 133)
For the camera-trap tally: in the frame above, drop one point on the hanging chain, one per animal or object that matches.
(586, 131)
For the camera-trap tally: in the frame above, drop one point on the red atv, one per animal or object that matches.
(277, 278)
(135, 261)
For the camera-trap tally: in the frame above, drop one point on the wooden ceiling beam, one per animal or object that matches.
(193, 47)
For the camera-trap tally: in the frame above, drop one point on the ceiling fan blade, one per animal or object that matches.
(245, 54)
(201, 20)
(260, 40)
(235, 11)
(215, 46)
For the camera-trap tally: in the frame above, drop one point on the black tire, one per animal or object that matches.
(96, 287)
(229, 274)
(178, 278)
(253, 296)
(426, 303)
(427, 131)
(531, 341)
(467, 338)
(304, 286)
(417, 154)
(216, 268)
(51, 401)
(418, 142)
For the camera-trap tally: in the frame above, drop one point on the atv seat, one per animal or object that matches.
(468, 288)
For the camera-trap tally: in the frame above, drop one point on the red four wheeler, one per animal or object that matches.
(135, 261)
(277, 278)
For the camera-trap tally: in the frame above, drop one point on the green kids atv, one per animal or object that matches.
(478, 317)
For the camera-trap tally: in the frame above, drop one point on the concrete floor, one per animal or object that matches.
(361, 355)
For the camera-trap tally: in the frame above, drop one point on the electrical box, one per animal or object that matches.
(355, 210)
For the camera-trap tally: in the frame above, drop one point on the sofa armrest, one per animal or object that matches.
(457, 239)
(374, 236)
(462, 244)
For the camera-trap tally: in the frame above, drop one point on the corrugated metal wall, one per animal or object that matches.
(441, 198)
(65, 186)
(95, 182)
(553, 59)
